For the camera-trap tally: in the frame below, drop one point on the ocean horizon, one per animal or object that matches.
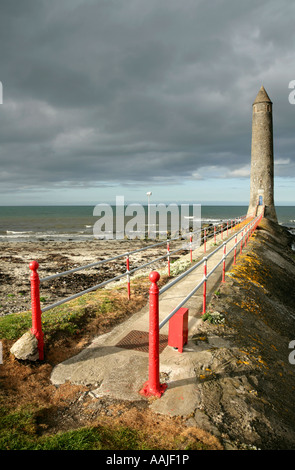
(76, 222)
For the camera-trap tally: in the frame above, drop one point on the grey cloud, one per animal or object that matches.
(93, 91)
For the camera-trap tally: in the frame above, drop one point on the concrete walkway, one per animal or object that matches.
(120, 373)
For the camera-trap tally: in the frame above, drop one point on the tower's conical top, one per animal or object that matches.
(262, 96)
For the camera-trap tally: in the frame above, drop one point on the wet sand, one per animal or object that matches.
(56, 257)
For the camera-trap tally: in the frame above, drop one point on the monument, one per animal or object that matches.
(262, 162)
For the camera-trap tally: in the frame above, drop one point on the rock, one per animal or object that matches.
(26, 347)
(202, 421)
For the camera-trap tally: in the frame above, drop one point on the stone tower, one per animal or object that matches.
(262, 165)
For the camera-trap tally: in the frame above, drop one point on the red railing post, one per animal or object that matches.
(168, 257)
(214, 234)
(241, 249)
(224, 260)
(153, 386)
(235, 255)
(36, 329)
(128, 276)
(205, 286)
(191, 247)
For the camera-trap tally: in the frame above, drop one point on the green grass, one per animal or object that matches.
(14, 325)
(19, 426)
(18, 431)
(213, 317)
(66, 318)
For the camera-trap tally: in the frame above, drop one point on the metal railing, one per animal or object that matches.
(245, 232)
(36, 281)
(129, 271)
(153, 387)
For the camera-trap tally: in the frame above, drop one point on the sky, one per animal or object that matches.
(109, 98)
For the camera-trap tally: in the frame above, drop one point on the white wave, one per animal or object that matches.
(211, 220)
(11, 232)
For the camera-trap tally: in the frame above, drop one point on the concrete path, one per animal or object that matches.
(120, 373)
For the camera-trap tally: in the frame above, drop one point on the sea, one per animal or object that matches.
(76, 223)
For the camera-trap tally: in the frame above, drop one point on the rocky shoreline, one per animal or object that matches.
(56, 257)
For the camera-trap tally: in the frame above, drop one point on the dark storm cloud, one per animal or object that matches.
(129, 91)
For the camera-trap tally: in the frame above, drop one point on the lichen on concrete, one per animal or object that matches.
(248, 393)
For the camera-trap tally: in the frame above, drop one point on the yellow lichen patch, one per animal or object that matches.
(261, 361)
(250, 269)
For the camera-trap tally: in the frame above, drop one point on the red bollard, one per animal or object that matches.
(214, 234)
(241, 248)
(205, 286)
(128, 276)
(153, 386)
(36, 329)
(224, 256)
(168, 257)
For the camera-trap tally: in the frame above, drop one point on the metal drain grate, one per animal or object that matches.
(139, 341)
